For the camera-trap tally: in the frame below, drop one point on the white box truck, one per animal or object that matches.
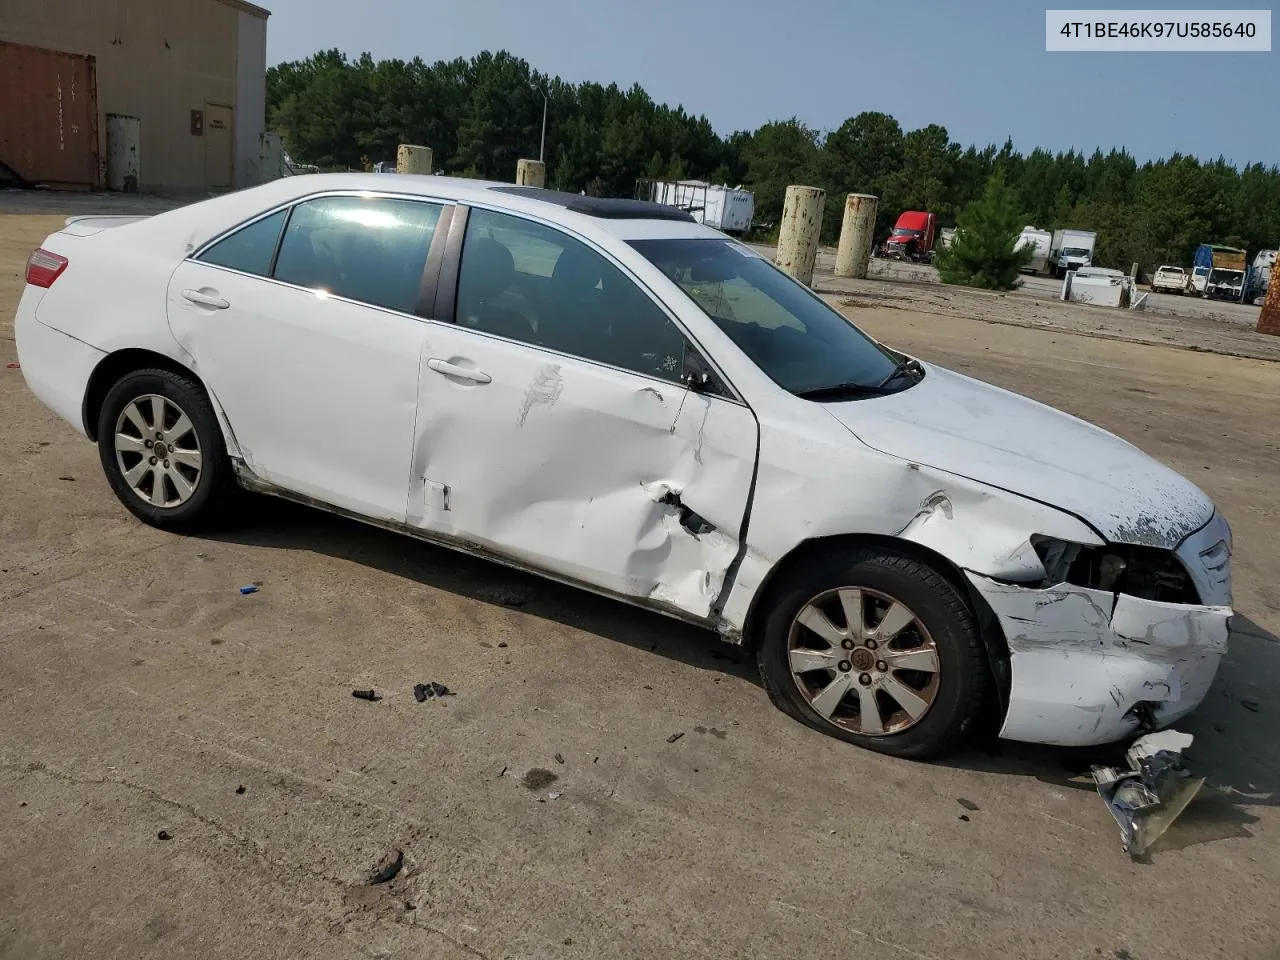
(1071, 250)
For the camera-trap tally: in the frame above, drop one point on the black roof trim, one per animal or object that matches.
(606, 208)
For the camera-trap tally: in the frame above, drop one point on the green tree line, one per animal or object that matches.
(481, 115)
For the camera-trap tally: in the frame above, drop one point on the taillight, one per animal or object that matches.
(44, 267)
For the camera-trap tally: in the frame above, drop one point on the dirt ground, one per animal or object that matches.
(141, 693)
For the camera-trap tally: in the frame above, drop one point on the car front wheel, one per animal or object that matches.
(878, 649)
(162, 450)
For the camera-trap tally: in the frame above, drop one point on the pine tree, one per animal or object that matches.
(983, 253)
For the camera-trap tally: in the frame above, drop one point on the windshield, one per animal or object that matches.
(1226, 276)
(802, 344)
(906, 232)
(1075, 252)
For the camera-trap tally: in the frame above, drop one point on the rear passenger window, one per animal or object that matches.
(370, 249)
(529, 282)
(249, 249)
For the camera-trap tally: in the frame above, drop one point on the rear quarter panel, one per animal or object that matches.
(112, 295)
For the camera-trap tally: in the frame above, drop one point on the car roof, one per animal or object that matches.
(623, 218)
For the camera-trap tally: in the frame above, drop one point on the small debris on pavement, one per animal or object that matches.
(502, 643)
(964, 817)
(675, 736)
(967, 804)
(425, 691)
(508, 596)
(410, 905)
(718, 734)
(387, 867)
(249, 588)
(538, 778)
(240, 790)
(1146, 798)
(1251, 705)
(553, 795)
(70, 479)
(559, 758)
(12, 366)
(163, 835)
(369, 695)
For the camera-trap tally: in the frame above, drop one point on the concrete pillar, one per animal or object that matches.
(856, 235)
(798, 235)
(531, 173)
(1269, 319)
(411, 159)
(124, 134)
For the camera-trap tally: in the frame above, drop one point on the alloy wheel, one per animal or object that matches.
(863, 661)
(158, 451)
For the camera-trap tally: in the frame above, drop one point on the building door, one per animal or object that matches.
(219, 140)
(48, 116)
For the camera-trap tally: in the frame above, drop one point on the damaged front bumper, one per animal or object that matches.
(1089, 667)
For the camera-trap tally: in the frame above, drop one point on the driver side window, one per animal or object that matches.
(532, 283)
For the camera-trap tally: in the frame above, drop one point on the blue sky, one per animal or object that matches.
(978, 67)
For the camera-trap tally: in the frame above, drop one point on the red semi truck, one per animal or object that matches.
(912, 237)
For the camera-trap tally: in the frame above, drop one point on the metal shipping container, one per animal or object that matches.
(48, 115)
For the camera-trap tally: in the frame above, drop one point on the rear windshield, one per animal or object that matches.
(794, 337)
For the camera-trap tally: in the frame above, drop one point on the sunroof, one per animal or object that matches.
(607, 208)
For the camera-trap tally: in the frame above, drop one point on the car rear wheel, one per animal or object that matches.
(162, 450)
(878, 649)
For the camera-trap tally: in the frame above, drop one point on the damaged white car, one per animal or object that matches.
(612, 395)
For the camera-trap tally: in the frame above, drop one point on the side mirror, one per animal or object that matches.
(695, 375)
(696, 380)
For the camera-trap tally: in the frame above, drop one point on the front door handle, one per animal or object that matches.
(206, 299)
(461, 373)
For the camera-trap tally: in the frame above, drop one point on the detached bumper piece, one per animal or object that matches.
(1146, 798)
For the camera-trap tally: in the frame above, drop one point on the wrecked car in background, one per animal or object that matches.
(614, 396)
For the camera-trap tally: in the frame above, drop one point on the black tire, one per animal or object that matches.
(963, 674)
(215, 486)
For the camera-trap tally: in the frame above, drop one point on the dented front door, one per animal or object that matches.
(623, 482)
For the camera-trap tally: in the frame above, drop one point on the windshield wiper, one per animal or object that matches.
(844, 390)
(904, 365)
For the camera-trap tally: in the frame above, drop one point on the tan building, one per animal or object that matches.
(180, 85)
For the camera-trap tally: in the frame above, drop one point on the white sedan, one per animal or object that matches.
(611, 395)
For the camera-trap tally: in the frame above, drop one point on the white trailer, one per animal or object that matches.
(1039, 241)
(730, 209)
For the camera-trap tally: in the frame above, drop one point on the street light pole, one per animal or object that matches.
(542, 144)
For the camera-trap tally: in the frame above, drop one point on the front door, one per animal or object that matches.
(219, 155)
(553, 427)
(316, 368)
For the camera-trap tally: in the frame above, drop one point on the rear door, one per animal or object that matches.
(304, 325)
(554, 427)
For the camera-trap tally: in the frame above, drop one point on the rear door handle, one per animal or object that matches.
(462, 373)
(205, 299)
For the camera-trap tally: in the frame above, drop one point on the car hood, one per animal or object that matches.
(970, 428)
